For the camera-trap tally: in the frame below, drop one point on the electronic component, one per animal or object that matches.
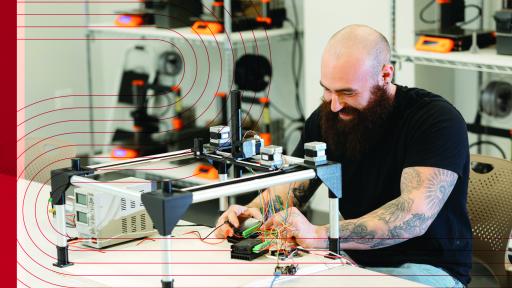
(103, 219)
(207, 27)
(435, 44)
(262, 246)
(445, 41)
(272, 156)
(129, 20)
(315, 153)
(220, 136)
(243, 250)
(247, 230)
(252, 147)
(286, 270)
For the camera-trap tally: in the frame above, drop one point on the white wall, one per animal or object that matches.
(54, 68)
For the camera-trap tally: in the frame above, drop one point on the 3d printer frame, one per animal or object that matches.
(167, 206)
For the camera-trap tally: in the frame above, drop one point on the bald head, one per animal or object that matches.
(360, 42)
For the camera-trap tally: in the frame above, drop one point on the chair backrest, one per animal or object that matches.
(43, 156)
(490, 212)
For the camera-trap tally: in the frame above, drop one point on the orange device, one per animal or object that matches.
(435, 44)
(206, 171)
(126, 20)
(207, 27)
(123, 153)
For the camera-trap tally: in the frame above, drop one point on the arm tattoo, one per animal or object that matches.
(395, 211)
(438, 187)
(396, 215)
(415, 225)
(411, 180)
(300, 195)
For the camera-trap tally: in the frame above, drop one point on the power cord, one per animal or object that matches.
(478, 143)
(422, 13)
(474, 18)
(429, 4)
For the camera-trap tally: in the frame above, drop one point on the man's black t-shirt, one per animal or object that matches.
(423, 129)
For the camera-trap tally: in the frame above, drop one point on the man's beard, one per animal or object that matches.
(351, 138)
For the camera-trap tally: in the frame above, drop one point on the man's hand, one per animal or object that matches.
(236, 215)
(292, 225)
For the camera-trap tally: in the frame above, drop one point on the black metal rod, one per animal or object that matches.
(492, 131)
(236, 128)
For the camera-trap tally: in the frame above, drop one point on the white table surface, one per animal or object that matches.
(137, 264)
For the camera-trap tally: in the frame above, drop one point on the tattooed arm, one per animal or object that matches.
(294, 194)
(281, 196)
(424, 190)
(423, 193)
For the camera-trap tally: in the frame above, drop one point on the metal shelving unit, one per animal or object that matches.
(486, 60)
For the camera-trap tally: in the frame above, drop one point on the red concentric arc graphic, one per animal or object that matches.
(36, 231)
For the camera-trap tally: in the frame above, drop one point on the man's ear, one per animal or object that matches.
(387, 74)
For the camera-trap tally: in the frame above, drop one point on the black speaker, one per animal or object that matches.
(252, 73)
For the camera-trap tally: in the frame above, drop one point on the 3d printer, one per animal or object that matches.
(450, 36)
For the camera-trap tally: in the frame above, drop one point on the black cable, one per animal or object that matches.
(169, 104)
(491, 144)
(475, 18)
(214, 229)
(422, 13)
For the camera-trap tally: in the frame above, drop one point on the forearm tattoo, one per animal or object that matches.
(393, 223)
(438, 188)
(300, 195)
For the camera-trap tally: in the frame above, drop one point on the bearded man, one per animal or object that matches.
(405, 158)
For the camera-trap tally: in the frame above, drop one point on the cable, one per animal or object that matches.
(276, 275)
(503, 155)
(169, 104)
(214, 229)
(203, 239)
(422, 13)
(475, 18)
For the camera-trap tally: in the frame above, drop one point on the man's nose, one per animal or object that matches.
(336, 104)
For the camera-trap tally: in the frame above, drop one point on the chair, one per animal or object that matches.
(43, 156)
(490, 212)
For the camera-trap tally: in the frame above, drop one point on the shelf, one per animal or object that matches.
(486, 60)
(244, 38)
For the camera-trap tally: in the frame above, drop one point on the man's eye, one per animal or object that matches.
(347, 93)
